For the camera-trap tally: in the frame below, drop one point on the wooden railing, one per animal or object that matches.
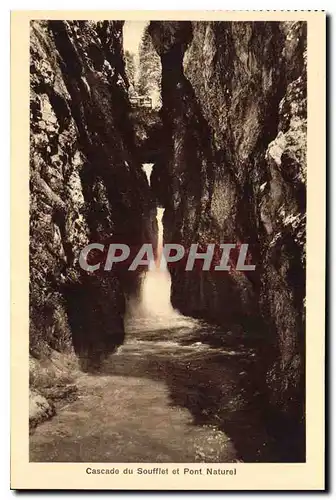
(141, 102)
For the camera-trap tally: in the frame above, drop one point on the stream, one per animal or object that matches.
(167, 395)
(178, 390)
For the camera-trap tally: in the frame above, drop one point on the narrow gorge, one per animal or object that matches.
(199, 137)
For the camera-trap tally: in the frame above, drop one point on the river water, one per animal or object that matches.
(174, 392)
(178, 390)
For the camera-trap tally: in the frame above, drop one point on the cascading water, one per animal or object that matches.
(168, 394)
(155, 293)
(152, 310)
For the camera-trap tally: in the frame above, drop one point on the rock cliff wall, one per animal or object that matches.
(234, 170)
(86, 185)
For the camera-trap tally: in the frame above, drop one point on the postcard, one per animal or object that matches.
(168, 250)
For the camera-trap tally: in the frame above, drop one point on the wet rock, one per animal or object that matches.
(86, 185)
(61, 393)
(39, 409)
(234, 114)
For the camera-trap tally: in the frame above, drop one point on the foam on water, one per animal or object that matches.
(153, 309)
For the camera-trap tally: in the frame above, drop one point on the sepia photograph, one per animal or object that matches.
(167, 244)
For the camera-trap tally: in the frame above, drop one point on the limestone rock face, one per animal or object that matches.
(39, 409)
(234, 116)
(86, 185)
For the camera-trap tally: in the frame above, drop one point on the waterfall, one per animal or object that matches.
(152, 309)
(155, 292)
